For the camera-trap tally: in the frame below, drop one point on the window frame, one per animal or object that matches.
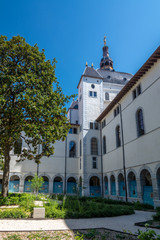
(104, 145)
(107, 94)
(118, 136)
(94, 162)
(140, 123)
(94, 146)
(72, 153)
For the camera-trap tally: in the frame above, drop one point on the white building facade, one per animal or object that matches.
(113, 146)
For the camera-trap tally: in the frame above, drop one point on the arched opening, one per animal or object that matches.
(158, 181)
(1, 183)
(80, 186)
(95, 188)
(58, 185)
(45, 186)
(146, 184)
(121, 185)
(27, 184)
(106, 192)
(113, 185)
(14, 184)
(132, 184)
(71, 186)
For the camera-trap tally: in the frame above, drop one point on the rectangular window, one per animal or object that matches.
(95, 94)
(94, 162)
(91, 125)
(70, 130)
(139, 90)
(75, 130)
(104, 123)
(96, 125)
(80, 164)
(90, 93)
(117, 110)
(134, 94)
(115, 113)
(76, 121)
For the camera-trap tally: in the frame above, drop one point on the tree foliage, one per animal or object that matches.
(36, 183)
(32, 104)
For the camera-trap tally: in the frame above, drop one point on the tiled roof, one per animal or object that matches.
(106, 75)
(91, 72)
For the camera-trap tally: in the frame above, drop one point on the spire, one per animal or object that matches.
(106, 61)
(104, 40)
(86, 64)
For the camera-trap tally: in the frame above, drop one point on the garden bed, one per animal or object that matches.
(69, 207)
(65, 207)
(92, 234)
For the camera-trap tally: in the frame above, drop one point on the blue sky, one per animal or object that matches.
(72, 31)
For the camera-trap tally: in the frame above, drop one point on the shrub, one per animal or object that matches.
(87, 209)
(52, 212)
(142, 206)
(14, 213)
(148, 234)
(27, 201)
(157, 216)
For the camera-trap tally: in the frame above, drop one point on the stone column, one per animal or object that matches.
(21, 184)
(117, 187)
(155, 188)
(139, 190)
(109, 187)
(50, 186)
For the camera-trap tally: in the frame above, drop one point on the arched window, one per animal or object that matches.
(106, 96)
(118, 136)
(104, 144)
(72, 149)
(140, 123)
(18, 146)
(94, 146)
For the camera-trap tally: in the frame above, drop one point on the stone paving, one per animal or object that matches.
(115, 223)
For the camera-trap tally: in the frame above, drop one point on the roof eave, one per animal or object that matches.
(145, 67)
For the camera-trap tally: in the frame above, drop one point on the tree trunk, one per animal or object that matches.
(5, 181)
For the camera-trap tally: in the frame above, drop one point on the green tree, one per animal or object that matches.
(36, 183)
(32, 104)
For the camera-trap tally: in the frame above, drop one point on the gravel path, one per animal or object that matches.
(115, 223)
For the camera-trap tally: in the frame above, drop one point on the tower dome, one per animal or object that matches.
(106, 61)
